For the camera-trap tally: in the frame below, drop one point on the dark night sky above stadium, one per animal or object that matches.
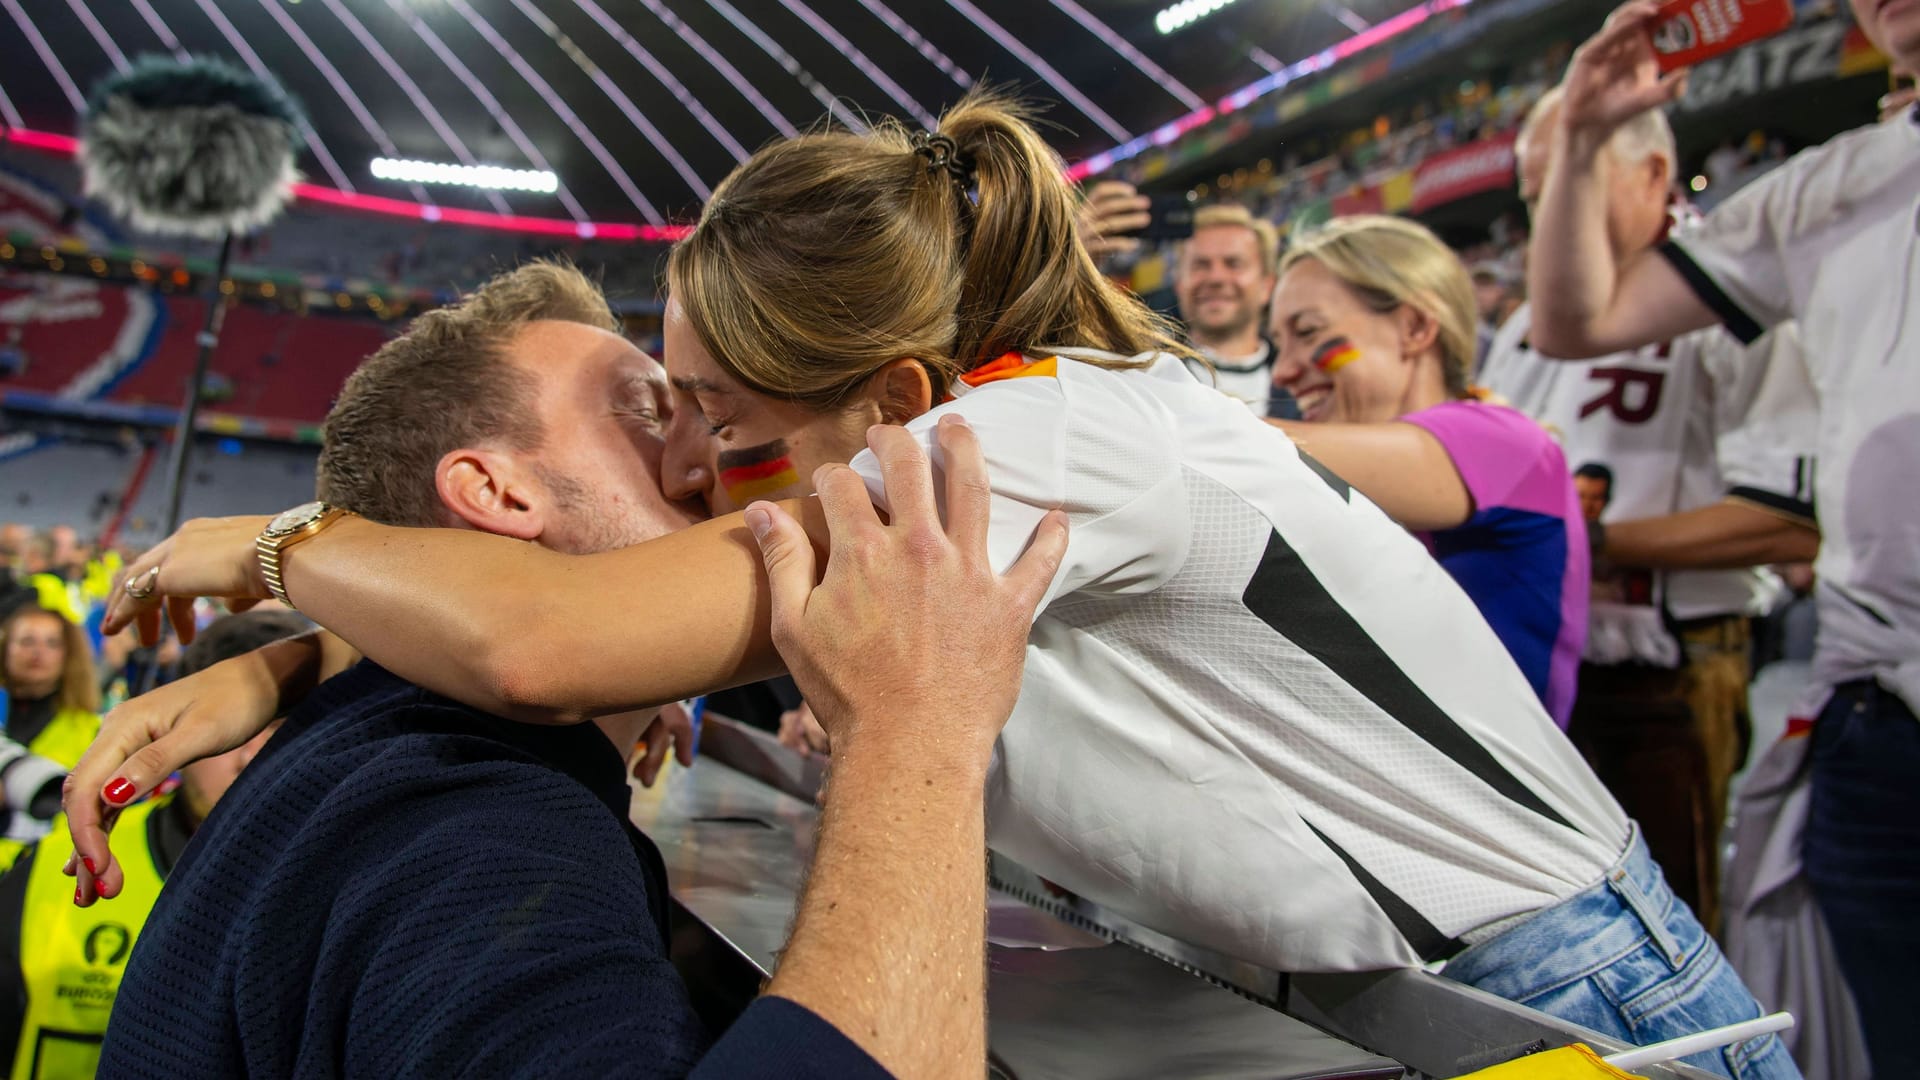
(640, 106)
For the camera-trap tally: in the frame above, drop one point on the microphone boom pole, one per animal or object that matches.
(194, 148)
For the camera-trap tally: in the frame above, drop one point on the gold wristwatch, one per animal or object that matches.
(286, 530)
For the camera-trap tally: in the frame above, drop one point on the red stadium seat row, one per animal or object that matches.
(279, 365)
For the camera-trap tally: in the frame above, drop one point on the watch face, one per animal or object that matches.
(295, 519)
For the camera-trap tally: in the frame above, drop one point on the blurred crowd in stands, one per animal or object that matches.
(58, 572)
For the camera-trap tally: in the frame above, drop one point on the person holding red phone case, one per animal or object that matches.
(1831, 238)
(1686, 32)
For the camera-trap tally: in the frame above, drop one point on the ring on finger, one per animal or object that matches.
(152, 578)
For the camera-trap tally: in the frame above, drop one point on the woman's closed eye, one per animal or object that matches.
(717, 420)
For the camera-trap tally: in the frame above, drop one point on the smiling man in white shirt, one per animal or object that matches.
(1222, 277)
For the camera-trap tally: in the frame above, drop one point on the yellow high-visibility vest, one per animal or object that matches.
(56, 595)
(72, 959)
(66, 736)
(64, 739)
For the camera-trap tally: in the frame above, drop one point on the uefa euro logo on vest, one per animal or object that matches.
(72, 959)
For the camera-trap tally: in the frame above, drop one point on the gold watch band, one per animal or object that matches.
(269, 550)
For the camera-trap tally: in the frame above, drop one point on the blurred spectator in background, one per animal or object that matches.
(1374, 319)
(1223, 277)
(1497, 293)
(1706, 485)
(14, 589)
(1498, 290)
(38, 554)
(66, 557)
(56, 571)
(60, 965)
(52, 698)
(1593, 482)
(68, 580)
(14, 539)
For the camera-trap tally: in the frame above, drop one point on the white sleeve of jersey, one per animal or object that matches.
(1766, 420)
(1505, 368)
(1744, 259)
(1128, 526)
(1520, 377)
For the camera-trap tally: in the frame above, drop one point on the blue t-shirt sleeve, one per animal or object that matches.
(780, 1038)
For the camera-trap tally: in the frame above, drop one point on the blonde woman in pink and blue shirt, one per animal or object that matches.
(1374, 325)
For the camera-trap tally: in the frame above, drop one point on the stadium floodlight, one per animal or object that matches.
(1186, 13)
(485, 177)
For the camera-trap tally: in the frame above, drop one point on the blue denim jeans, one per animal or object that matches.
(1861, 854)
(1626, 958)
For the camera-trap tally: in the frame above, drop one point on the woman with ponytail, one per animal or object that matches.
(1256, 715)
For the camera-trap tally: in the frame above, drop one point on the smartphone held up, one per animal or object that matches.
(1170, 217)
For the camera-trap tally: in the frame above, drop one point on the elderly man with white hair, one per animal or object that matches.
(1709, 453)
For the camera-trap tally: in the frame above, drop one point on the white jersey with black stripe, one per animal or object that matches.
(1256, 714)
(1832, 239)
(1680, 425)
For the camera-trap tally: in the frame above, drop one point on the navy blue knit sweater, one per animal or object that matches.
(402, 886)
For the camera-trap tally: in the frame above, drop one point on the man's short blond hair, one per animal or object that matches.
(1265, 236)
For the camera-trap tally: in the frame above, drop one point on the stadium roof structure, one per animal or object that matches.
(641, 106)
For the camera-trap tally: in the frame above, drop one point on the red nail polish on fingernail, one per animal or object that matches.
(118, 791)
(76, 894)
(89, 864)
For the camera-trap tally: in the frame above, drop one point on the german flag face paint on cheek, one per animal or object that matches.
(1334, 355)
(757, 471)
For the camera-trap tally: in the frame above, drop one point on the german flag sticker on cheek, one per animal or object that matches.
(1334, 355)
(757, 471)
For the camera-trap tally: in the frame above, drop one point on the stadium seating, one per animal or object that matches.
(80, 484)
(83, 337)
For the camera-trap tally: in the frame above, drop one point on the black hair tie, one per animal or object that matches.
(943, 154)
